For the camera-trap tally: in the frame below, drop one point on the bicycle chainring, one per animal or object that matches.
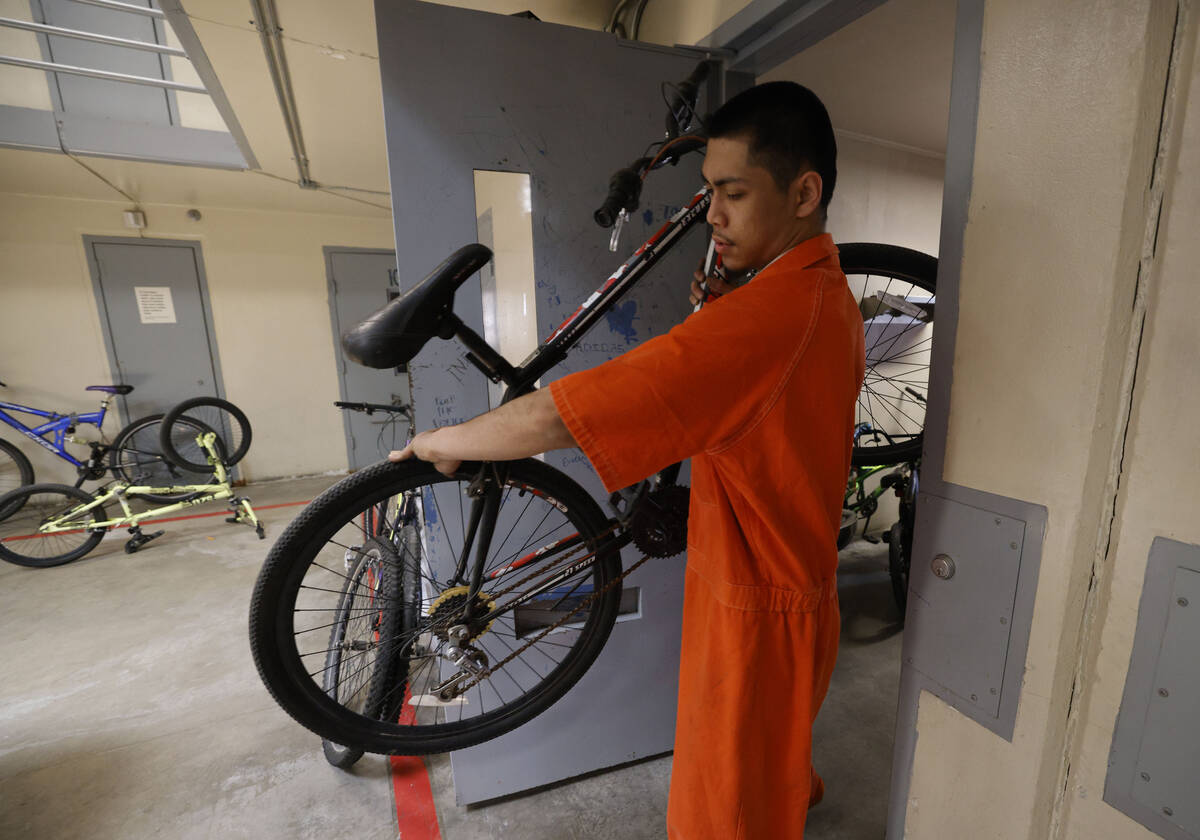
(659, 525)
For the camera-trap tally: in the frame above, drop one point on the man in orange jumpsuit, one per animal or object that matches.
(758, 388)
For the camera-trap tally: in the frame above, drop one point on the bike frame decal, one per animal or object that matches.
(534, 555)
(524, 488)
(682, 219)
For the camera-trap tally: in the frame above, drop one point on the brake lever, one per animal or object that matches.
(615, 238)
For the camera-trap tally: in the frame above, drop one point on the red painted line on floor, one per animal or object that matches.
(416, 815)
(164, 519)
(225, 512)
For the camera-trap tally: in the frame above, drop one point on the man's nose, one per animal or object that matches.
(714, 215)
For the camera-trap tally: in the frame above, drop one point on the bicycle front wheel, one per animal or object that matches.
(445, 679)
(895, 290)
(354, 675)
(26, 537)
(15, 471)
(136, 456)
(223, 417)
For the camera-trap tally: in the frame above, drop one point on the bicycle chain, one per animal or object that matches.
(487, 672)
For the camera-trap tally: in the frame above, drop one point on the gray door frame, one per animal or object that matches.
(89, 243)
(327, 252)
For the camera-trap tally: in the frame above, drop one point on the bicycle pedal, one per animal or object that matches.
(139, 539)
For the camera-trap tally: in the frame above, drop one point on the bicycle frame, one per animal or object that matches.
(519, 380)
(59, 424)
(209, 493)
(554, 349)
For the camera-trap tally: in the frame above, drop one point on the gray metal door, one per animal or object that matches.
(465, 91)
(358, 285)
(155, 316)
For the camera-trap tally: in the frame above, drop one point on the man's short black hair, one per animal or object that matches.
(788, 130)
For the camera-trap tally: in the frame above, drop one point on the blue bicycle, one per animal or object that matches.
(134, 456)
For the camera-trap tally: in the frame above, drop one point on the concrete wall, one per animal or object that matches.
(1059, 256)
(886, 194)
(267, 287)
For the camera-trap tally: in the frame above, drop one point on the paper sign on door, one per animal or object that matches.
(155, 305)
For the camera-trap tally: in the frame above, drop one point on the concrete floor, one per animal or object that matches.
(130, 708)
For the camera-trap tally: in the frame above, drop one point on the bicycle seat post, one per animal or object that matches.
(494, 366)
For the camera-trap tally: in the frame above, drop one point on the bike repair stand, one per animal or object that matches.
(243, 513)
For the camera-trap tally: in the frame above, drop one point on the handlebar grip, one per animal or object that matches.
(687, 93)
(624, 190)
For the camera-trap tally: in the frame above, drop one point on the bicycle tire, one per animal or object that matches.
(897, 348)
(136, 457)
(279, 612)
(225, 418)
(898, 567)
(363, 617)
(19, 537)
(15, 472)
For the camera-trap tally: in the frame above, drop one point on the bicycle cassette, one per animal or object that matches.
(659, 525)
(446, 608)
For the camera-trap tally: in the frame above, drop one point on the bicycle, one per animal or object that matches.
(505, 578)
(360, 620)
(133, 456)
(900, 536)
(53, 524)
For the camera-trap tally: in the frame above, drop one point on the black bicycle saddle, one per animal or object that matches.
(398, 331)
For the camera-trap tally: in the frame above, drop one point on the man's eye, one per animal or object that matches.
(734, 196)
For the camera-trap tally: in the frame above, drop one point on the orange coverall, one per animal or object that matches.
(758, 388)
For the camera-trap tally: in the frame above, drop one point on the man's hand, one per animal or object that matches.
(716, 286)
(421, 447)
(526, 426)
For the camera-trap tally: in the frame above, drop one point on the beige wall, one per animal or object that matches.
(886, 194)
(267, 286)
(1163, 446)
(1043, 372)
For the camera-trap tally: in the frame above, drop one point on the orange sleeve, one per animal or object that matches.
(693, 389)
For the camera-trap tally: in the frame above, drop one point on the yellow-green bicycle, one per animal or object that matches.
(52, 524)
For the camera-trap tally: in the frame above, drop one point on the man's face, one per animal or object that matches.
(753, 220)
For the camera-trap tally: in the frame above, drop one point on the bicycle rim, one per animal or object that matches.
(298, 592)
(223, 417)
(15, 471)
(23, 542)
(895, 290)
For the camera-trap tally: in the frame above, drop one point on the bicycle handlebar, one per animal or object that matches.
(683, 102)
(371, 408)
(624, 190)
(625, 185)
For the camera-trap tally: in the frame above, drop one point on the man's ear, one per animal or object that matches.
(806, 192)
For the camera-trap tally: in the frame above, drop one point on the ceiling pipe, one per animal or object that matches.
(266, 21)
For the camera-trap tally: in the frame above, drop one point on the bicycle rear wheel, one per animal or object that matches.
(895, 289)
(15, 471)
(136, 456)
(23, 542)
(547, 557)
(223, 417)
